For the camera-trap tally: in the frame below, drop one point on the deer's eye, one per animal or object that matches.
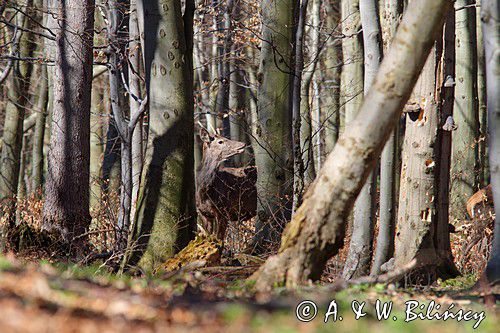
(220, 142)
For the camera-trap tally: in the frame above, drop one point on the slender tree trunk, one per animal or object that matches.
(465, 158)
(481, 94)
(18, 97)
(96, 146)
(331, 85)
(165, 219)
(317, 230)
(389, 160)
(272, 137)
(491, 18)
(135, 88)
(298, 158)
(306, 130)
(39, 133)
(66, 209)
(224, 72)
(361, 244)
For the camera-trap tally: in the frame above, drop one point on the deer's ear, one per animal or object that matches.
(205, 136)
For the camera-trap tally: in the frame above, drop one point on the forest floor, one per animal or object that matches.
(44, 297)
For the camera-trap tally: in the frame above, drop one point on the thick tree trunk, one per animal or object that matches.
(389, 161)
(417, 226)
(272, 137)
(361, 246)
(66, 209)
(491, 28)
(465, 150)
(165, 219)
(317, 230)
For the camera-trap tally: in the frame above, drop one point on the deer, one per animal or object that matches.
(223, 194)
(479, 200)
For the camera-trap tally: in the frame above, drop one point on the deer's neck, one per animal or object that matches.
(209, 168)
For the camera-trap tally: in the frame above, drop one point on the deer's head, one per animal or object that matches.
(219, 148)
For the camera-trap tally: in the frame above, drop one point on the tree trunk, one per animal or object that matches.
(417, 226)
(306, 130)
(135, 88)
(481, 97)
(331, 82)
(66, 209)
(389, 161)
(298, 158)
(360, 248)
(490, 17)
(317, 230)
(465, 158)
(165, 219)
(272, 137)
(18, 97)
(96, 146)
(39, 133)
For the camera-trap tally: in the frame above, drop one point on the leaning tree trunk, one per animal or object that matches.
(18, 97)
(361, 244)
(272, 132)
(389, 161)
(465, 150)
(66, 209)
(165, 219)
(490, 17)
(317, 230)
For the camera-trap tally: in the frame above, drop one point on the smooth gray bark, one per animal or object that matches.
(361, 245)
(389, 161)
(490, 16)
(465, 150)
(272, 132)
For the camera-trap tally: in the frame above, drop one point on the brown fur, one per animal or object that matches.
(484, 196)
(224, 194)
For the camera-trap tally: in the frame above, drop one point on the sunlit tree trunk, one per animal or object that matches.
(135, 87)
(331, 80)
(96, 145)
(165, 219)
(39, 133)
(272, 135)
(361, 245)
(389, 161)
(317, 230)
(465, 158)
